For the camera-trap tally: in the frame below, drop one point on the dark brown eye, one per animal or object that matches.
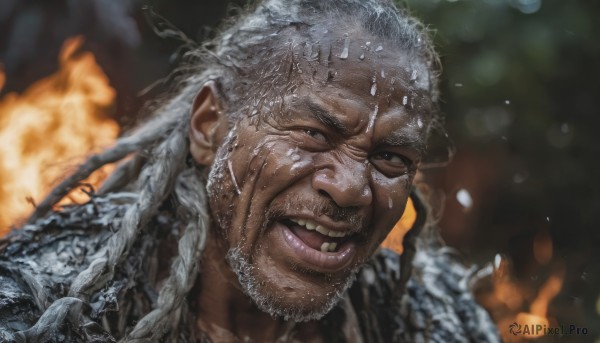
(316, 134)
(391, 157)
(391, 164)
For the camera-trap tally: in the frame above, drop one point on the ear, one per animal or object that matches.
(207, 125)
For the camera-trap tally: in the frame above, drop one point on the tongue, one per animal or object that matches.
(311, 238)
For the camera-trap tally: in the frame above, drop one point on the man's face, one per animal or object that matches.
(304, 198)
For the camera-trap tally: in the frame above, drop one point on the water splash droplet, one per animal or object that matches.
(365, 191)
(520, 177)
(372, 120)
(507, 102)
(420, 123)
(405, 100)
(379, 48)
(458, 85)
(464, 198)
(293, 154)
(344, 54)
(382, 74)
(390, 203)
(362, 57)
(374, 89)
(237, 187)
(368, 43)
(497, 261)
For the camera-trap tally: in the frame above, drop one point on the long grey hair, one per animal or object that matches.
(154, 158)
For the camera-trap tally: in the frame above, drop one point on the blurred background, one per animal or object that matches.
(520, 93)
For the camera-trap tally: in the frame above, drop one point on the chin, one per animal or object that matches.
(305, 301)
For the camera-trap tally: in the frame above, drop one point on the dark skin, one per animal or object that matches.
(342, 156)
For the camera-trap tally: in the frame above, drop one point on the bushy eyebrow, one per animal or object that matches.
(325, 117)
(399, 139)
(394, 139)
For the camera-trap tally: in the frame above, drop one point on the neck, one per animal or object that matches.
(226, 314)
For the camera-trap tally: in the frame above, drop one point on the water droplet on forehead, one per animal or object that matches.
(379, 48)
(374, 89)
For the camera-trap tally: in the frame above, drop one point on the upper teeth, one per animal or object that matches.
(309, 225)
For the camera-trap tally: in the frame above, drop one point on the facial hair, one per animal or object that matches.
(274, 304)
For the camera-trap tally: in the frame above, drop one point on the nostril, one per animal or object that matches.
(323, 193)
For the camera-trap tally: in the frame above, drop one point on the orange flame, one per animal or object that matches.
(58, 119)
(537, 317)
(395, 238)
(542, 248)
(514, 295)
(2, 77)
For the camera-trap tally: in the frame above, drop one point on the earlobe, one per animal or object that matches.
(206, 124)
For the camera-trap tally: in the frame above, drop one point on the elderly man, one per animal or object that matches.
(267, 183)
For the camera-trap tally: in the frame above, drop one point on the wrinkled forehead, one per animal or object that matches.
(361, 65)
(355, 64)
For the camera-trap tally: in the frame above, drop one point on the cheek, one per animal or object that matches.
(275, 163)
(261, 166)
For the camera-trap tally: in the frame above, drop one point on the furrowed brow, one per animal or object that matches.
(326, 118)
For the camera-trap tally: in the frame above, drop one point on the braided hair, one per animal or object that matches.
(155, 160)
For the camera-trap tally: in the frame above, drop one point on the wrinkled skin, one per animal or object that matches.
(343, 153)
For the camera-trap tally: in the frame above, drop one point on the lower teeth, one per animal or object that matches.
(325, 247)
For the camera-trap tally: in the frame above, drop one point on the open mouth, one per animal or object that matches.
(322, 248)
(317, 236)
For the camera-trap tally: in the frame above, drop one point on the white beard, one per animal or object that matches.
(272, 303)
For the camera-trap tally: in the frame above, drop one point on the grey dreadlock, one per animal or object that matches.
(159, 167)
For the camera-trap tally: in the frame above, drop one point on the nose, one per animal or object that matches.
(346, 183)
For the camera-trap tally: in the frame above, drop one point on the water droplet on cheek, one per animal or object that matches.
(299, 166)
(293, 154)
(365, 191)
(233, 179)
